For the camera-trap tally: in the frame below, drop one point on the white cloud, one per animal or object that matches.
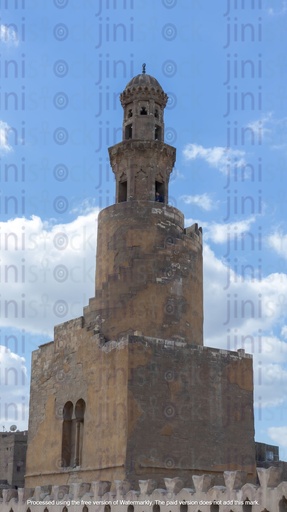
(260, 126)
(218, 157)
(47, 273)
(279, 435)
(241, 312)
(278, 242)
(279, 12)
(240, 300)
(14, 384)
(4, 132)
(8, 35)
(273, 130)
(203, 201)
(221, 233)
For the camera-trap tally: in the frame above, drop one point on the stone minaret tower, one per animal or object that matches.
(149, 267)
(128, 391)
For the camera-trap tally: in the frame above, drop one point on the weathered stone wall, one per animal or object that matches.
(187, 405)
(153, 408)
(76, 367)
(200, 496)
(149, 274)
(13, 446)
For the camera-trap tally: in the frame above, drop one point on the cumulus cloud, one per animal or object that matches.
(241, 311)
(270, 371)
(46, 271)
(203, 201)
(279, 435)
(240, 299)
(278, 242)
(4, 132)
(218, 157)
(221, 233)
(8, 35)
(14, 384)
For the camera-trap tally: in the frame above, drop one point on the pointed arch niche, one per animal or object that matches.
(67, 434)
(72, 433)
(79, 414)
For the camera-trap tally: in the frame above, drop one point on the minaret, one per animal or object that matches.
(142, 162)
(149, 266)
(128, 391)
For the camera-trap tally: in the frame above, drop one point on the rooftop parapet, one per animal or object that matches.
(202, 495)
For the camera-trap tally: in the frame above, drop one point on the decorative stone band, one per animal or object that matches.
(235, 496)
(146, 92)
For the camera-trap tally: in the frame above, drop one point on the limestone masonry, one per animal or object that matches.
(127, 393)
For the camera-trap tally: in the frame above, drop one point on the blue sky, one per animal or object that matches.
(63, 65)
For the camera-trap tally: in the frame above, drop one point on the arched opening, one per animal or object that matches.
(283, 505)
(143, 111)
(129, 131)
(247, 507)
(85, 509)
(183, 507)
(159, 192)
(156, 508)
(214, 507)
(107, 508)
(157, 133)
(131, 508)
(65, 509)
(130, 113)
(67, 434)
(79, 414)
(123, 191)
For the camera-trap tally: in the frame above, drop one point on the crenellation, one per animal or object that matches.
(200, 496)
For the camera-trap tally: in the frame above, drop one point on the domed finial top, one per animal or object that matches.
(143, 86)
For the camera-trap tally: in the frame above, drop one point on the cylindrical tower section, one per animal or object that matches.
(148, 275)
(143, 101)
(142, 170)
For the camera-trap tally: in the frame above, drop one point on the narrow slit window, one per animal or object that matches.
(129, 131)
(159, 192)
(157, 133)
(79, 434)
(67, 435)
(123, 191)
